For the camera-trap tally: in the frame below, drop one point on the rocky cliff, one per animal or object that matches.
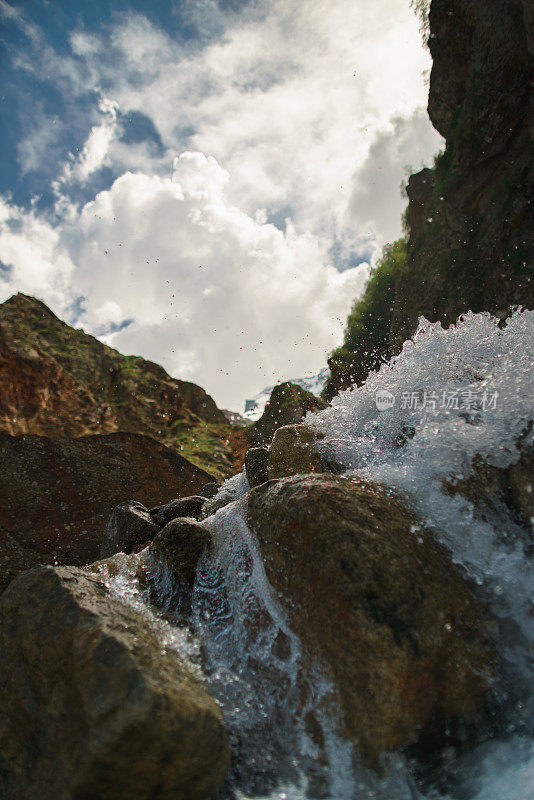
(471, 217)
(58, 381)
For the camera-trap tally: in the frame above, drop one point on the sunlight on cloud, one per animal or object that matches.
(95, 152)
(301, 112)
(215, 294)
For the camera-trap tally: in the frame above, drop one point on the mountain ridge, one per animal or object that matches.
(56, 380)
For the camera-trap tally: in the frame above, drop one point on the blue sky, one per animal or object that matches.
(206, 183)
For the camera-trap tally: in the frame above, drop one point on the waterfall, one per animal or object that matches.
(281, 712)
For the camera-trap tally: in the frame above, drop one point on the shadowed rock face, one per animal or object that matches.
(56, 495)
(472, 242)
(94, 706)
(378, 601)
(58, 381)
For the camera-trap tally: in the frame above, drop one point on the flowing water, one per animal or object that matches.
(458, 396)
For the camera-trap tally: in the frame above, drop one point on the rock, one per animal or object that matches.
(257, 465)
(474, 249)
(181, 507)
(58, 381)
(292, 452)
(130, 525)
(178, 547)
(94, 706)
(378, 601)
(521, 477)
(288, 405)
(15, 559)
(56, 495)
(495, 492)
(209, 490)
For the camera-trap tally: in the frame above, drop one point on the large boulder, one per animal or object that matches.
(378, 602)
(130, 525)
(94, 704)
(288, 405)
(56, 495)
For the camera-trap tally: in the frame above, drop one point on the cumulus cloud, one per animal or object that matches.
(290, 100)
(401, 148)
(95, 152)
(294, 120)
(213, 293)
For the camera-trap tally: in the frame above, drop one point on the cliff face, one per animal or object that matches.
(471, 217)
(58, 381)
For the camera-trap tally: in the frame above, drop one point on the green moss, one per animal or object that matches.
(366, 339)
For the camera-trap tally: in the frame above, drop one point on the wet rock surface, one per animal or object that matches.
(178, 548)
(378, 601)
(94, 706)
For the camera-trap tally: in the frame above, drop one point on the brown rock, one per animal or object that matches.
(377, 600)
(292, 452)
(94, 706)
(56, 495)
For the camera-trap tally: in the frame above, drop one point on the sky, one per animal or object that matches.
(207, 183)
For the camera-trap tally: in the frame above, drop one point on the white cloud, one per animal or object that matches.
(95, 152)
(216, 295)
(299, 109)
(37, 261)
(399, 149)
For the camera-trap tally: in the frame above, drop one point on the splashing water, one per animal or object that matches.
(478, 380)
(281, 715)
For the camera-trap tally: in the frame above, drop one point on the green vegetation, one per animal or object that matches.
(421, 8)
(366, 340)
